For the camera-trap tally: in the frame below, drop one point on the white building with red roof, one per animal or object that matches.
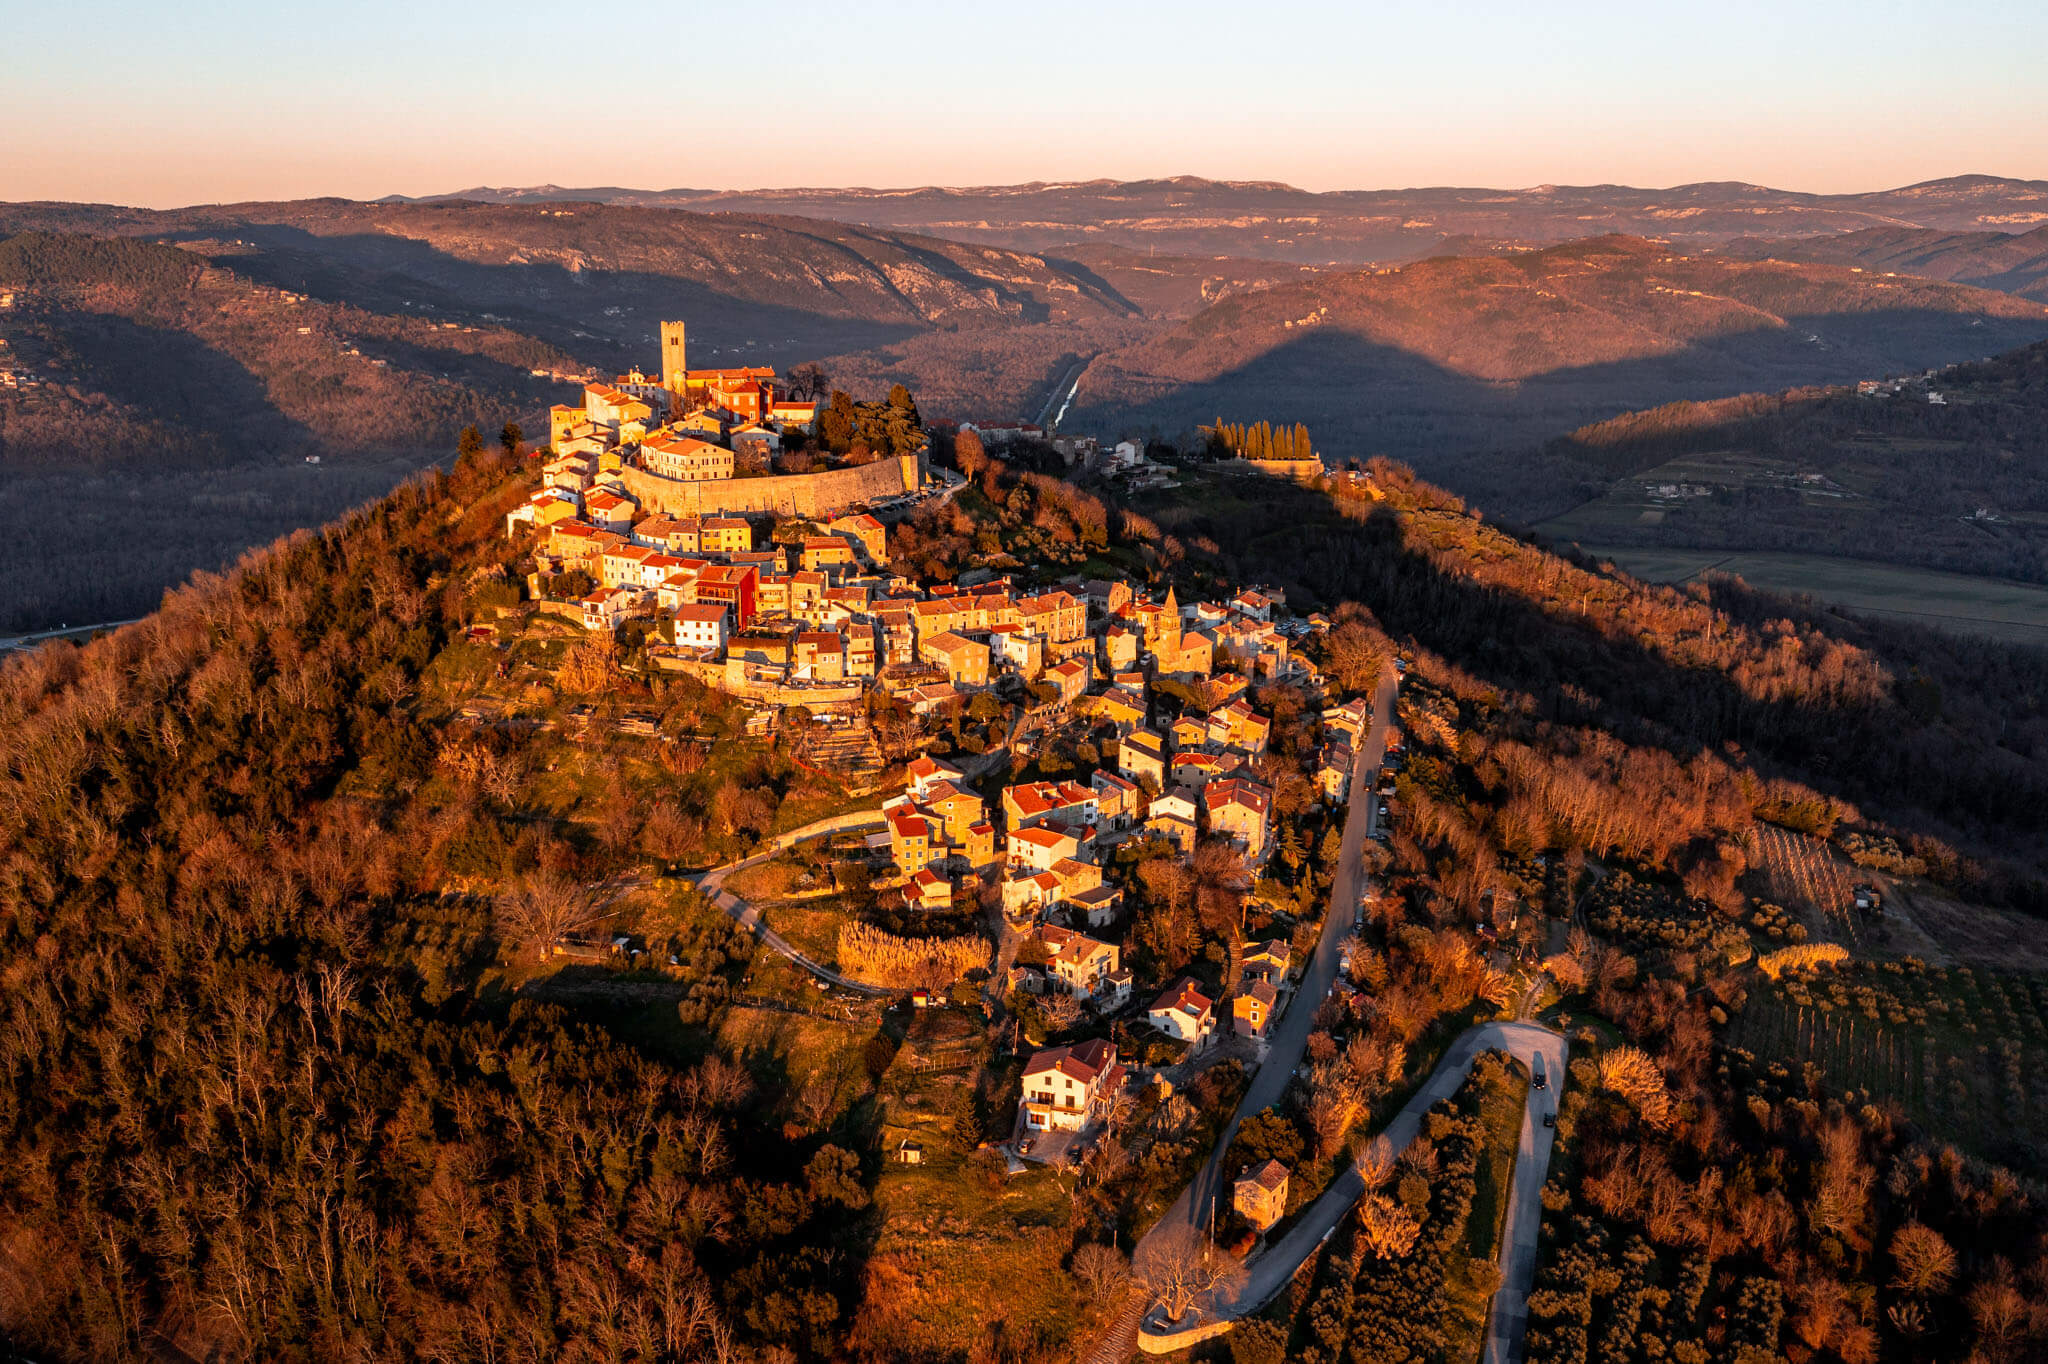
(1041, 845)
(1069, 1089)
(1184, 1012)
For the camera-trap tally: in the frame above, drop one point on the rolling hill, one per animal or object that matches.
(1190, 215)
(981, 330)
(1462, 354)
(2014, 262)
(166, 408)
(612, 273)
(185, 364)
(1959, 485)
(459, 300)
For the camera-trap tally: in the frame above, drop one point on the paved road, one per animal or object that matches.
(1191, 1215)
(1508, 1319)
(1509, 1315)
(31, 640)
(1062, 395)
(712, 883)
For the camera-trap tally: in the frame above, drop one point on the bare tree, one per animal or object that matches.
(1183, 1275)
(1102, 1270)
(1060, 1010)
(543, 907)
(1926, 1262)
(1223, 883)
(1387, 1227)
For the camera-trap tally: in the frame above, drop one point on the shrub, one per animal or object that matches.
(869, 955)
(1801, 957)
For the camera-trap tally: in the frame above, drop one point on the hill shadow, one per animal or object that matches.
(175, 377)
(1583, 668)
(1360, 397)
(604, 317)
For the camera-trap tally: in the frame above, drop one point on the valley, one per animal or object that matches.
(2016, 613)
(419, 318)
(929, 746)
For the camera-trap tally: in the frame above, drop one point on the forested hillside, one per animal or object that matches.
(1481, 354)
(245, 1114)
(1958, 484)
(1770, 1144)
(288, 1069)
(1948, 737)
(168, 406)
(2014, 262)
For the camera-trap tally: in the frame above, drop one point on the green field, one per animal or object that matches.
(2014, 612)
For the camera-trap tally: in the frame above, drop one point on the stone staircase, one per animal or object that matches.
(1119, 1340)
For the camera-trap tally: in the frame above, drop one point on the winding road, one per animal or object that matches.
(712, 883)
(1267, 1275)
(1264, 1277)
(1190, 1217)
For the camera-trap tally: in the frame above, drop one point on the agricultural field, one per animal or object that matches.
(1976, 935)
(1647, 498)
(1956, 1049)
(1991, 607)
(1804, 872)
(1644, 913)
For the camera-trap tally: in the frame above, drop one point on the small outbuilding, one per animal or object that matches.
(1260, 1194)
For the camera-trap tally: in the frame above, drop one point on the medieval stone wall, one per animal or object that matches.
(815, 495)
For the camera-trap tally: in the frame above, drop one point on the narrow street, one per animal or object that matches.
(1189, 1218)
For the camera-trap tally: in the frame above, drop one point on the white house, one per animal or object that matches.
(606, 607)
(701, 625)
(1184, 1012)
(1068, 1089)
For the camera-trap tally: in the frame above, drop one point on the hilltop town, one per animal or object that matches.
(1060, 749)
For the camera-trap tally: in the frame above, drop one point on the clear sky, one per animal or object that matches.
(142, 102)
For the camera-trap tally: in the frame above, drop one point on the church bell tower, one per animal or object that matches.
(674, 358)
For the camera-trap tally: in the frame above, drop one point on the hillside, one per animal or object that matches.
(2015, 262)
(1463, 354)
(1190, 215)
(1961, 485)
(603, 276)
(286, 1039)
(171, 407)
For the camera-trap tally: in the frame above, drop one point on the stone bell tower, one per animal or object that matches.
(674, 358)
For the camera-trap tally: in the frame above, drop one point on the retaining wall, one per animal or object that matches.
(815, 495)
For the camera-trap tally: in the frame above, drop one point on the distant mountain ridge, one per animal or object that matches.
(2012, 262)
(1267, 219)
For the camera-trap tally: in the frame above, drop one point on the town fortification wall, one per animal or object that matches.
(815, 495)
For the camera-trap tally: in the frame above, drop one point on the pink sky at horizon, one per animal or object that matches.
(224, 101)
